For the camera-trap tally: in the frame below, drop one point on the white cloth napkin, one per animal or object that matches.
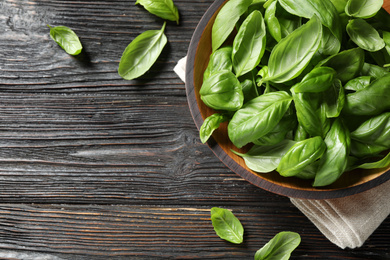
(346, 222)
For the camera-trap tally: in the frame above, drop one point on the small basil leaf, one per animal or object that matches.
(317, 80)
(279, 247)
(363, 9)
(226, 20)
(373, 71)
(226, 225)
(210, 124)
(66, 39)
(334, 98)
(249, 44)
(364, 35)
(142, 53)
(221, 59)
(300, 133)
(165, 9)
(382, 163)
(222, 91)
(358, 83)
(272, 21)
(294, 52)
(258, 117)
(334, 161)
(301, 155)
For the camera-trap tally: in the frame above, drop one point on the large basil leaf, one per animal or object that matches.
(363, 9)
(302, 154)
(364, 35)
(226, 20)
(142, 53)
(249, 44)
(371, 100)
(226, 225)
(334, 98)
(219, 60)
(210, 124)
(265, 158)
(347, 63)
(294, 52)
(222, 91)
(334, 161)
(279, 247)
(67, 39)
(317, 80)
(258, 117)
(358, 83)
(165, 9)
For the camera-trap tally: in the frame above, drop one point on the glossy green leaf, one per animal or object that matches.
(334, 161)
(309, 172)
(219, 60)
(340, 5)
(363, 8)
(222, 91)
(279, 247)
(334, 98)
(210, 124)
(300, 133)
(67, 39)
(375, 130)
(249, 44)
(364, 35)
(382, 163)
(165, 9)
(272, 21)
(258, 117)
(317, 80)
(279, 132)
(249, 86)
(226, 20)
(226, 225)
(361, 150)
(358, 83)
(373, 70)
(302, 154)
(294, 52)
(140, 55)
(330, 45)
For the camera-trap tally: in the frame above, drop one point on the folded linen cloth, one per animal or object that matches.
(346, 222)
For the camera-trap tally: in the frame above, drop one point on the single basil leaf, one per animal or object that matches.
(300, 133)
(364, 35)
(301, 155)
(142, 53)
(363, 9)
(226, 225)
(346, 63)
(221, 59)
(226, 20)
(373, 70)
(334, 161)
(372, 100)
(66, 39)
(249, 44)
(384, 162)
(279, 247)
(375, 130)
(360, 149)
(210, 124)
(258, 117)
(309, 172)
(272, 21)
(317, 80)
(165, 9)
(330, 45)
(358, 83)
(222, 91)
(294, 52)
(334, 98)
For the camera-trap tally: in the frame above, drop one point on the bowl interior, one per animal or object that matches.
(197, 59)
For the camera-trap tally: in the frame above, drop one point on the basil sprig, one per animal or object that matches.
(67, 39)
(165, 9)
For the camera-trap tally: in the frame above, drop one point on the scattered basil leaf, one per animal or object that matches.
(67, 39)
(364, 35)
(165, 9)
(142, 53)
(210, 124)
(363, 9)
(279, 247)
(226, 225)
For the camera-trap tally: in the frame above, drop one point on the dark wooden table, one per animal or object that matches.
(96, 167)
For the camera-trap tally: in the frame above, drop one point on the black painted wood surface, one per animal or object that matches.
(96, 167)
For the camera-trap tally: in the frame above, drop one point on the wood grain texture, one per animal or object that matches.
(96, 167)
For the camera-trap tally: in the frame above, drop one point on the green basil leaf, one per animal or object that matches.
(249, 44)
(360, 149)
(222, 91)
(165, 9)
(309, 172)
(382, 163)
(279, 247)
(317, 80)
(258, 117)
(363, 9)
(334, 98)
(66, 39)
(371, 100)
(300, 133)
(265, 158)
(340, 5)
(294, 52)
(226, 225)
(226, 20)
(358, 83)
(346, 63)
(142, 53)
(330, 45)
(375, 130)
(288, 22)
(364, 35)
(272, 21)
(334, 161)
(210, 124)
(373, 70)
(249, 86)
(301, 155)
(221, 59)
(386, 39)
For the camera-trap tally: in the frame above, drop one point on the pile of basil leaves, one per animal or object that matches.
(306, 82)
